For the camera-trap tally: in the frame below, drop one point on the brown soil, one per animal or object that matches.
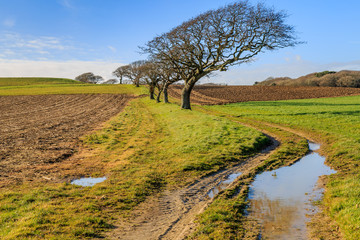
(211, 95)
(37, 133)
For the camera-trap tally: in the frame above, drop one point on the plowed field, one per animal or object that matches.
(211, 95)
(38, 132)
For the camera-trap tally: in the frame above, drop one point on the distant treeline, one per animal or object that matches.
(343, 78)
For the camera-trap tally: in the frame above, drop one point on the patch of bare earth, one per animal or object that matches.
(212, 95)
(39, 133)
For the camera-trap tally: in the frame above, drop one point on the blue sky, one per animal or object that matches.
(64, 38)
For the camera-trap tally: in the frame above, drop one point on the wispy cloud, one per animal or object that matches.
(113, 49)
(9, 22)
(17, 46)
(66, 3)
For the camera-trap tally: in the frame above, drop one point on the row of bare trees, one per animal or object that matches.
(212, 41)
(156, 75)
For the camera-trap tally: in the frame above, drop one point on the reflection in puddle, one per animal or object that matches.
(88, 182)
(280, 199)
(222, 185)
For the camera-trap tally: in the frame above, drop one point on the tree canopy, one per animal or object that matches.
(218, 39)
(89, 77)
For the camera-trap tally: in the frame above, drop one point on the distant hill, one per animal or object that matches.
(343, 78)
(35, 81)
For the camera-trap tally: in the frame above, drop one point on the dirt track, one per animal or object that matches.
(211, 95)
(37, 132)
(171, 215)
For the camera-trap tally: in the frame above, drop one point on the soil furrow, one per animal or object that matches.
(42, 136)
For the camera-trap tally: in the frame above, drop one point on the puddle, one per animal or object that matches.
(88, 182)
(222, 185)
(281, 199)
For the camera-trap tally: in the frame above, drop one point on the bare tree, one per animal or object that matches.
(89, 77)
(218, 39)
(132, 72)
(168, 77)
(121, 72)
(136, 72)
(151, 75)
(110, 81)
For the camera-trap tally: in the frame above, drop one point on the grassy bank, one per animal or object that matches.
(335, 122)
(25, 81)
(147, 148)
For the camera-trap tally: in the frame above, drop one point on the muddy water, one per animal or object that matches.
(223, 184)
(88, 182)
(281, 199)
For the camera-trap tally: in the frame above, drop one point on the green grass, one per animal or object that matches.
(72, 89)
(143, 150)
(335, 122)
(35, 81)
(43, 86)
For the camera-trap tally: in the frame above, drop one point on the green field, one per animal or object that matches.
(151, 147)
(40, 86)
(35, 81)
(334, 122)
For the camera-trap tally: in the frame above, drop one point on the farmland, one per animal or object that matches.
(38, 132)
(160, 161)
(210, 95)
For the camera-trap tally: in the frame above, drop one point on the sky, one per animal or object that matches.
(65, 38)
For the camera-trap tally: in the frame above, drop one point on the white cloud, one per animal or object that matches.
(29, 47)
(33, 47)
(9, 22)
(61, 69)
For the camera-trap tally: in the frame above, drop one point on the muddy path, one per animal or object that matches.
(171, 214)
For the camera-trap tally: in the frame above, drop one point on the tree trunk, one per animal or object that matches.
(166, 97)
(158, 97)
(151, 91)
(185, 95)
